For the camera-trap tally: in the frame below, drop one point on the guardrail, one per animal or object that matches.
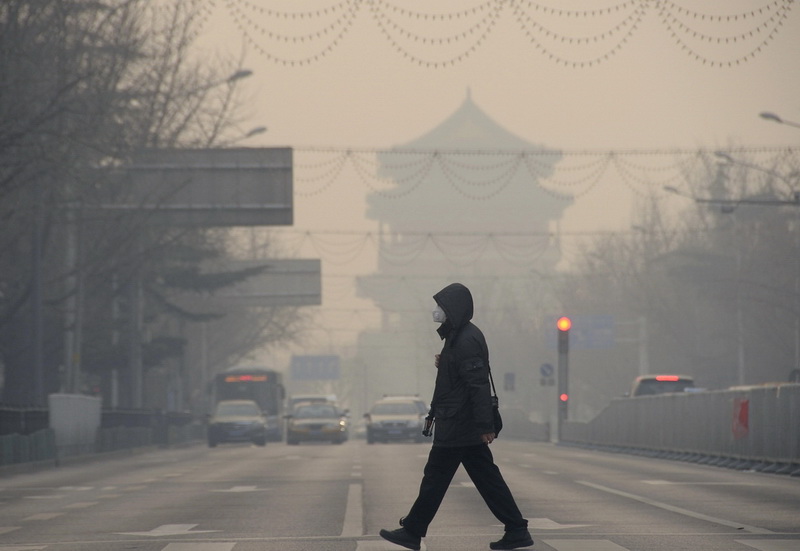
(755, 427)
(27, 440)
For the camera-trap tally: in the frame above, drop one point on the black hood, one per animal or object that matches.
(456, 301)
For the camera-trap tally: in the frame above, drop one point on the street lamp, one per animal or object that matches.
(255, 131)
(241, 73)
(766, 115)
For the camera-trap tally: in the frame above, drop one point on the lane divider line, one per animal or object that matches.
(679, 510)
(354, 513)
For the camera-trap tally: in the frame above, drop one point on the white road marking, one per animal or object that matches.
(42, 516)
(771, 545)
(548, 524)
(584, 545)
(380, 545)
(21, 547)
(169, 530)
(76, 488)
(236, 489)
(215, 546)
(671, 483)
(679, 510)
(353, 514)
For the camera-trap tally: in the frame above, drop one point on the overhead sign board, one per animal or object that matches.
(207, 187)
(279, 282)
(283, 282)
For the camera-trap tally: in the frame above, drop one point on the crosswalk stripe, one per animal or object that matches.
(42, 516)
(200, 546)
(584, 545)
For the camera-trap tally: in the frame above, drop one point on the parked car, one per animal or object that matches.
(396, 418)
(645, 385)
(316, 421)
(237, 421)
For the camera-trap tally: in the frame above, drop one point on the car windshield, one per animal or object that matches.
(237, 409)
(400, 408)
(315, 411)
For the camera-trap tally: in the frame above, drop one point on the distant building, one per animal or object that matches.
(478, 216)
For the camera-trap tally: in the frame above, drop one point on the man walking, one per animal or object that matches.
(464, 428)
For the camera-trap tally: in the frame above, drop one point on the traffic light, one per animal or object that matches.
(564, 324)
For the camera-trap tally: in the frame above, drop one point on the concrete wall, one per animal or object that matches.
(759, 423)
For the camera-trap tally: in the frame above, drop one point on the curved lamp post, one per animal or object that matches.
(766, 115)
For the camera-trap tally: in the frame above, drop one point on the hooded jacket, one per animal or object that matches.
(462, 402)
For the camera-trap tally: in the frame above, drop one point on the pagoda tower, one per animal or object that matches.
(464, 204)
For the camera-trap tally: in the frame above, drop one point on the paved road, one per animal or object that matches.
(336, 498)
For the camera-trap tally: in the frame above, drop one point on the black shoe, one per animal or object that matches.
(403, 537)
(513, 540)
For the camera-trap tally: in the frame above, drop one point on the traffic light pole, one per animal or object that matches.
(563, 325)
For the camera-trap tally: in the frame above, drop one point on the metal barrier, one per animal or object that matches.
(22, 420)
(27, 439)
(758, 424)
(18, 448)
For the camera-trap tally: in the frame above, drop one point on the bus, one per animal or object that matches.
(259, 384)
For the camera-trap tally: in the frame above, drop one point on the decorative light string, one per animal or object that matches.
(520, 249)
(435, 39)
(481, 175)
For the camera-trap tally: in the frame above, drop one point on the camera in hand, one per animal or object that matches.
(428, 429)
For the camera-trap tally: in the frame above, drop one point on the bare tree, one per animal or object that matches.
(712, 292)
(86, 84)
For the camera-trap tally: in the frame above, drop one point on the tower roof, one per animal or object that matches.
(469, 127)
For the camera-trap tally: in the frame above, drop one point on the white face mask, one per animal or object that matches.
(438, 314)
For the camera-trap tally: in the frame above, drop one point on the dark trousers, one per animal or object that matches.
(479, 464)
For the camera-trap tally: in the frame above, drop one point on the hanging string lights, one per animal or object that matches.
(576, 38)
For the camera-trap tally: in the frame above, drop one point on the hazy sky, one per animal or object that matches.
(636, 74)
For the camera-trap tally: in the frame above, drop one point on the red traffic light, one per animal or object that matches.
(564, 397)
(564, 323)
